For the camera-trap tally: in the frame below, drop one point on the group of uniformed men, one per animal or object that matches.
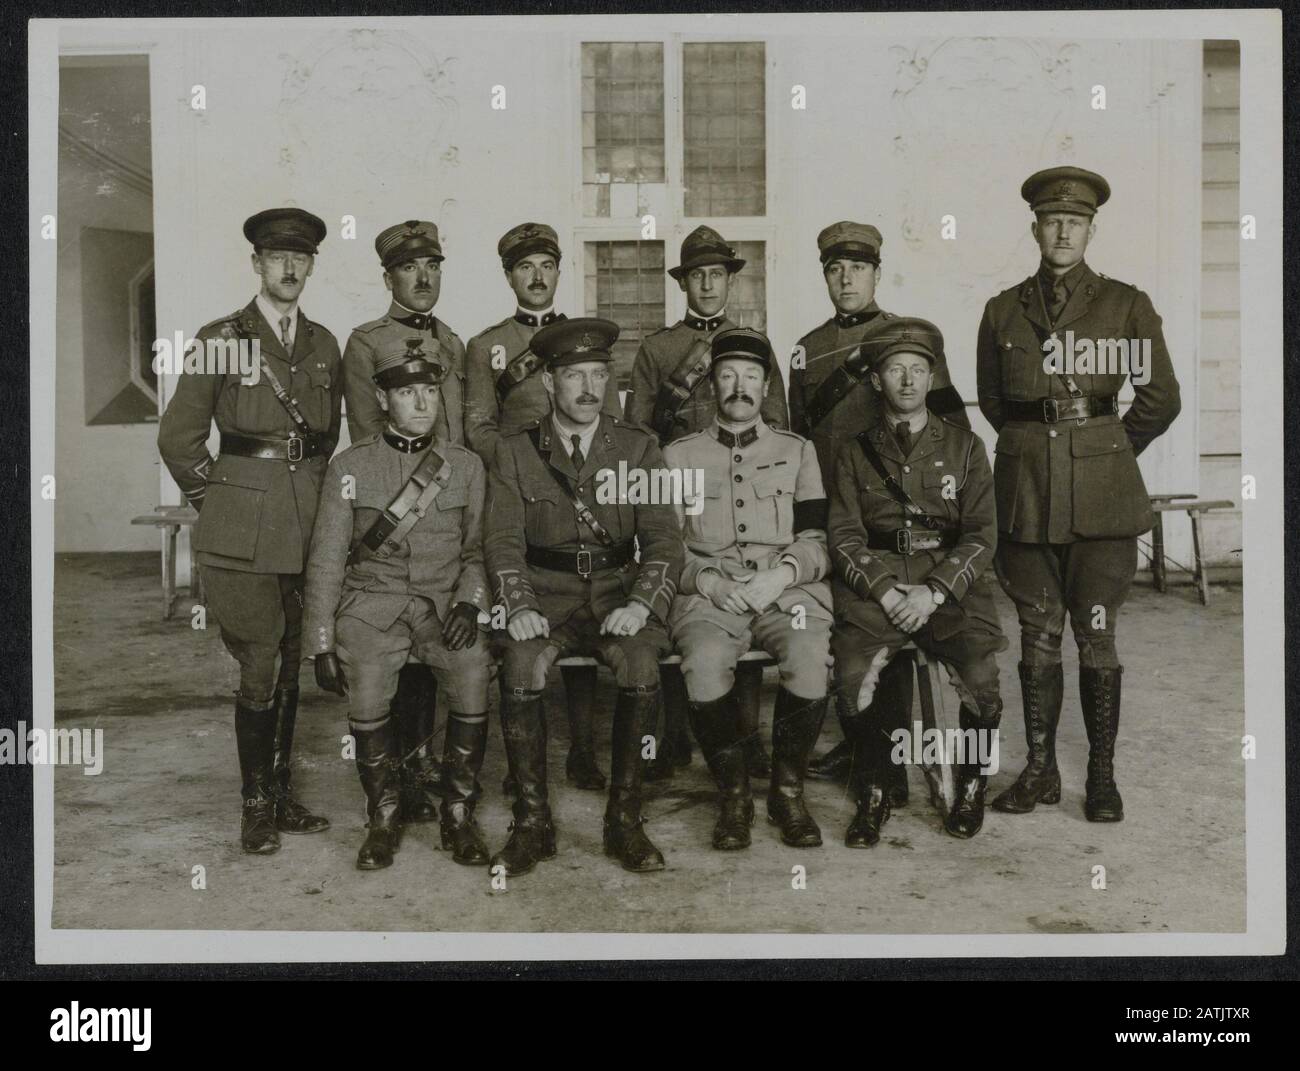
(857, 517)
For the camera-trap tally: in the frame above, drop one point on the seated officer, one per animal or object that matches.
(395, 574)
(912, 532)
(754, 576)
(578, 573)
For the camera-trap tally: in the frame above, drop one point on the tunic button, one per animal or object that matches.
(907, 468)
(738, 478)
(1052, 434)
(749, 564)
(293, 468)
(740, 502)
(907, 524)
(738, 458)
(740, 527)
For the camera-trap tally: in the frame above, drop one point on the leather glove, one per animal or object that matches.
(329, 674)
(461, 629)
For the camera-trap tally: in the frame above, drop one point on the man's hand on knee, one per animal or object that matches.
(529, 625)
(329, 674)
(461, 629)
(626, 620)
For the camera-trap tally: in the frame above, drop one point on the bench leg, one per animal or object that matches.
(939, 775)
(1202, 581)
(169, 568)
(1158, 553)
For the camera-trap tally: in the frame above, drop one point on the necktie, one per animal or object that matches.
(1058, 299)
(904, 434)
(284, 334)
(578, 459)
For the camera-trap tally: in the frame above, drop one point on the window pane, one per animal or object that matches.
(626, 281)
(623, 96)
(747, 301)
(724, 110)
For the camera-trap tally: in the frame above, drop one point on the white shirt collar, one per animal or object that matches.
(585, 437)
(917, 421)
(272, 317)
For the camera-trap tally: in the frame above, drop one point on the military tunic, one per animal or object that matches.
(1070, 497)
(528, 508)
(761, 504)
(946, 473)
(378, 611)
(822, 351)
(660, 354)
(441, 345)
(487, 419)
(256, 515)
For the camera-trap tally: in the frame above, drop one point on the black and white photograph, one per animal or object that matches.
(656, 487)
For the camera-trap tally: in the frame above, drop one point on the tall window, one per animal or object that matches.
(624, 283)
(725, 126)
(622, 124)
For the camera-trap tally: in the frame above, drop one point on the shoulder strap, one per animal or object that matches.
(836, 387)
(518, 369)
(391, 528)
(676, 390)
(281, 395)
(579, 507)
(894, 487)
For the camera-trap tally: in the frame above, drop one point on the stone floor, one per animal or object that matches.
(168, 799)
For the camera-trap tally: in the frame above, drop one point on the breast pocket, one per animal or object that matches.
(1022, 367)
(939, 493)
(315, 401)
(448, 506)
(549, 520)
(708, 520)
(774, 502)
(1110, 498)
(231, 518)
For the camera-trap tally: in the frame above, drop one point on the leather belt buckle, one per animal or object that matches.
(295, 454)
(584, 568)
(1051, 411)
(903, 540)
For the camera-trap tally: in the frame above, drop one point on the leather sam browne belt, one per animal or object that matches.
(908, 540)
(1052, 410)
(273, 448)
(583, 562)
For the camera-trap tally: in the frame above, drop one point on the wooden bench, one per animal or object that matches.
(170, 520)
(1194, 507)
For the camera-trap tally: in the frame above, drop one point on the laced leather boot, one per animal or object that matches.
(746, 695)
(1040, 780)
(255, 742)
(580, 768)
(532, 835)
(290, 815)
(462, 758)
(796, 723)
(414, 711)
(967, 815)
(378, 765)
(1100, 691)
(713, 724)
(624, 833)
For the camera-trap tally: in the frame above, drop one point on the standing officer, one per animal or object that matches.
(578, 574)
(505, 394)
(831, 401)
(411, 256)
(912, 532)
(396, 572)
(257, 501)
(672, 395)
(754, 574)
(1071, 501)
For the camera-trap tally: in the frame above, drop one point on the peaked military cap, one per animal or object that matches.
(399, 365)
(285, 228)
(742, 342)
(586, 338)
(905, 334)
(1066, 189)
(850, 241)
(406, 241)
(526, 239)
(704, 246)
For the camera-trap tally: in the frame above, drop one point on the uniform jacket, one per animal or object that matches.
(824, 350)
(255, 515)
(365, 416)
(1073, 479)
(441, 559)
(763, 503)
(943, 456)
(526, 506)
(486, 422)
(659, 356)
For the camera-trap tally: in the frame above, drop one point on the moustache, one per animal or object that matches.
(588, 399)
(740, 396)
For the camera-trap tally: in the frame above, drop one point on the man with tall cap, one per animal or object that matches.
(672, 394)
(504, 394)
(1071, 501)
(831, 401)
(411, 256)
(396, 572)
(755, 573)
(257, 501)
(912, 534)
(579, 571)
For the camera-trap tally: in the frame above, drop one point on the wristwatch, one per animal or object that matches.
(938, 593)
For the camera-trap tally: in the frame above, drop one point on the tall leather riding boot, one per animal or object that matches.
(462, 758)
(714, 726)
(378, 763)
(676, 714)
(580, 767)
(532, 836)
(967, 815)
(1040, 780)
(745, 697)
(891, 706)
(1100, 691)
(796, 723)
(290, 815)
(624, 832)
(414, 710)
(871, 759)
(672, 704)
(255, 742)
